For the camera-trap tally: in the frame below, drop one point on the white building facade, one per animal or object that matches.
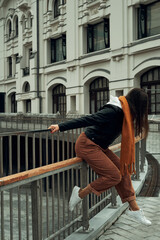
(68, 56)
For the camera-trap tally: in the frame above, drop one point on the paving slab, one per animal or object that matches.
(125, 228)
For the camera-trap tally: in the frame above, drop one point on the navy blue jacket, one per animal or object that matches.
(102, 127)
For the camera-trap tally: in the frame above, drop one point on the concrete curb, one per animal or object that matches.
(104, 219)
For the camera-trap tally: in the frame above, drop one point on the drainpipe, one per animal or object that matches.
(38, 60)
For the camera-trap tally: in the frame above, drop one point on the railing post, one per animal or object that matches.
(143, 154)
(35, 195)
(85, 204)
(137, 160)
(113, 198)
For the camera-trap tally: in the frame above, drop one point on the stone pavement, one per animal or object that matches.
(127, 228)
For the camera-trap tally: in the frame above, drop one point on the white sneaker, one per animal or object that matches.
(138, 216)
(74, 199)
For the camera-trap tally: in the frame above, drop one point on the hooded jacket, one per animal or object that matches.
(102, 127)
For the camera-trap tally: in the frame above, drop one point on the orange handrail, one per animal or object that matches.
(38, 171)
(48, 168)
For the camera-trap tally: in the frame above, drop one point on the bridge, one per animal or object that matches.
(36, 183)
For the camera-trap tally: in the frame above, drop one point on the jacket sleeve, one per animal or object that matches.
(98, 118)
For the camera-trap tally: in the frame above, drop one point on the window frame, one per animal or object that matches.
(148, 85)
(93, 92)
(90, 35)
(10, 63)
(53, 42)
(57, 96)
(16, 27)
(13, 103)
(143, 9)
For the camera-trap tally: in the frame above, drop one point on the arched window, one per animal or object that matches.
(59, 99)
(9, 28)
(56, 8)
(16, 26)
(150, 81)
(13, 103)
(99, 93)
(27, 87)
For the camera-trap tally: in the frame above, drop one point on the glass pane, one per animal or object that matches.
(96, 84)
(59, 55)
(98, 95)
(92, 106)
(150, 78)
(152, 108)
(157, 88)
(144, 78)
(98, 36)
(54, 108)
(152, 98)
(100, 83)
(102, 96)
(153, 19)
(158, 108)
(156, 74)
(158, 98)
(98, 105)
(104, 82)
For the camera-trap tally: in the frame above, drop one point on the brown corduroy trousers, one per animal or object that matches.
(106, 164)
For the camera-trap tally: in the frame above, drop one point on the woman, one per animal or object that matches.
(121, 115)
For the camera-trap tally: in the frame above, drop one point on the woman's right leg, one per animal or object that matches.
(109, 174)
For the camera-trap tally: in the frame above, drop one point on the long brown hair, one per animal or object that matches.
(138, 103)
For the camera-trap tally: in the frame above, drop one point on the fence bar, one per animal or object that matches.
(137, 161)
(85, 204)
(143, 154)
(26, 151)
(35, 194)
(1, 156)
(2, 216)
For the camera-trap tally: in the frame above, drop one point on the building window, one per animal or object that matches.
(2, 101)
(150, 82)
(58, 49)
(59, 99)
(56, 8)
(9, 29)
(13, 103)
(99, 94)
(17, 58)
(16, 26)
(148, 20)
(27, 87)
(28, 106)
(56, 5)
(98, 36)
(9, 66)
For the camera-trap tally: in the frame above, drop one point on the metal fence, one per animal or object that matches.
(153, 140)
(37, 208)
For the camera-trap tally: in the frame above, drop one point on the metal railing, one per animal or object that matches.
(153, 140)
(34, 203)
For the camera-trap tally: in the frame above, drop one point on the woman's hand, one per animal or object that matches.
(54, 128)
